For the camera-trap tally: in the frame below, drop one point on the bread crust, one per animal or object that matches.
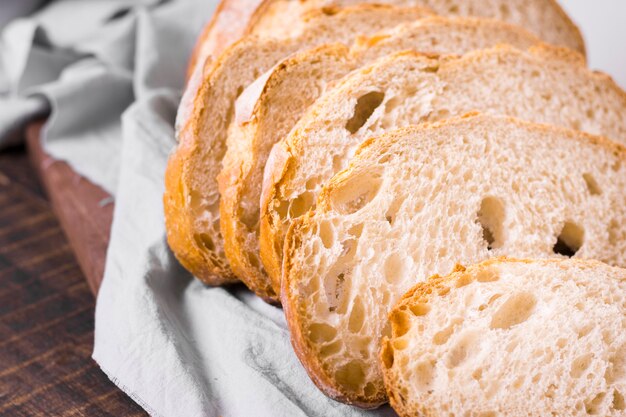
(270, 10)
(296, 321)
(228, 24)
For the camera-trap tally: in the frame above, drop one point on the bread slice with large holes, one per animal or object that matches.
(510, 338)
(543, 84)
(191, 199)
(418, 200)
(266, 111)
(545, 18)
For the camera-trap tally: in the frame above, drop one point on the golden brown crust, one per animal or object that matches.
(228, 24)
(269, 8)
(270, 244)
(179, 225)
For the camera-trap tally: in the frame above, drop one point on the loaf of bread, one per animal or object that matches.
(268, 109)
(191, 199)
(544, 18)
(416, 201)
(544, 84)
(511, 338)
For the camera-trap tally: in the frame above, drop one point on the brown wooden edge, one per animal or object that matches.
(84, 210)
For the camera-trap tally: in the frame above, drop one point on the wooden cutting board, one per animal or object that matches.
(84, 210)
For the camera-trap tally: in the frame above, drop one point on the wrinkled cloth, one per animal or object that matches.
(111, 86)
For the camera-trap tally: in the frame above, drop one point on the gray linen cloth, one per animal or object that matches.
(110, 76)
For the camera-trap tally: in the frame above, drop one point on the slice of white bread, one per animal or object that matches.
(416, 201)
(544, 84)
(268, 109)
(191, 199)
(510, 338)
(544, 18)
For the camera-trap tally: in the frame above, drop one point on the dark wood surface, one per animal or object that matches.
(84, 210)
(46, 311)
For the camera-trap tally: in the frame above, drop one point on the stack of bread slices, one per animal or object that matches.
(345, 159)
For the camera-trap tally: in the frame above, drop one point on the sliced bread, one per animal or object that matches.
(543, 84)
(544, 18)
(416, 201)
(510, 338)
(227, 25)
(191, 199)
(268, 109)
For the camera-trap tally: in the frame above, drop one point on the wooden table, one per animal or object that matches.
(46, 311)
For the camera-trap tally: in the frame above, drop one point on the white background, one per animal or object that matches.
(603, 24)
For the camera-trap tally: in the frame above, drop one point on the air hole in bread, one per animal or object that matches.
(301, 204)
(580, 365)
(387, 354)
(357, 316)
(454, 9)
(419, 309)
(617, 366)
(424, 374)
(240, 89)
(365, 106)
(618, 401)
(515, 310)
(322, 332)
(356, 230)
(442, 336)
(204, 240)
(330, 11)
(585, 330)
(254, 260)
(400, 344)
(331, 349)
(327, 234)
(466, 346)
(617, 165)
(504, 11)
(392, 211)
(351, 375)
(401, 323)
(395, 267)
(338, 280)
(592, 184)
(570, 240)
(592, 406)
(491, 218)
(616, 232)
(356, 192)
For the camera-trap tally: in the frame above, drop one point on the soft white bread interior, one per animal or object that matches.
(544, 18)
(269, 108)
(543, 84)
(191, 199)
(416, 201)
(511, 338)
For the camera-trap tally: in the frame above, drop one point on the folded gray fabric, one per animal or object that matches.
(112, 86)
